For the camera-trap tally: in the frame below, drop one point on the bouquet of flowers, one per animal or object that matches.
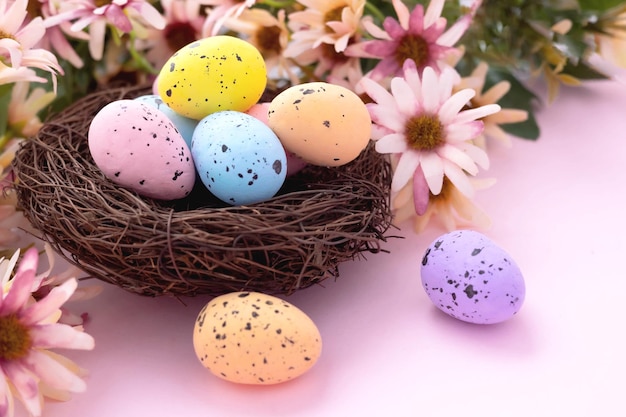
(441, 79)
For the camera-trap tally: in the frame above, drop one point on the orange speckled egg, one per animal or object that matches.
(324, 124)
(254, 338)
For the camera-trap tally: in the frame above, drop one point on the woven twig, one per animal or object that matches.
(321, 217)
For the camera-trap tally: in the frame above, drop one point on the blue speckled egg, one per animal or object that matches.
(238, 158)
(469, 277)
(184, 125)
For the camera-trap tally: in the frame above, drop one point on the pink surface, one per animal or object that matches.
(557, 208)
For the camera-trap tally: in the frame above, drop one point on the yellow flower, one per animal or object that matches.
(492, 122)
(450, 208)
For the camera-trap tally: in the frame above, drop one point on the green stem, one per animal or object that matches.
(277, 4)
(374, 11)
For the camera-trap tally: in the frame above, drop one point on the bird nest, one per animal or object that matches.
(320, 218)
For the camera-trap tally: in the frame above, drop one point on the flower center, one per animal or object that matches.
(333, 15)
(268, 40)
(100, 3)
(412, 47)
(33, 8)
(424, 132)
(4, 35)
(178, 34)
(15, 341)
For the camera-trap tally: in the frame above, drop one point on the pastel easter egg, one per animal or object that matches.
(253, 338)
(294, 163)
(322, 123)
(213, 74)
(469, 277)
(139, 148)
(238, 158)
(185, 125)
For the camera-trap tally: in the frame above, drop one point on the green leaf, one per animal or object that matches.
(525, 130)
(583, 71)
(518, 97)
(599, 5)
(5, 99)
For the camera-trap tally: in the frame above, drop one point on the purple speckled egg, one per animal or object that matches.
(469, 277)
(139, 148)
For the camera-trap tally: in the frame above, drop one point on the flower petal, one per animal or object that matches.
(404, 97)
(22, 283)
(454, 33)
(60, 336)
(421, 193)
(463, 131)
(25, 385)
(50, 303)
(477, 154)
(433, 12)
(452, 106)
(476, 113)
(392, 143)
(458, 157)
(407, 164)
(388, 117)
(458, 178)
(6, 398)
(430, 91)
(402, 11)
(432, 165)
(53, 373)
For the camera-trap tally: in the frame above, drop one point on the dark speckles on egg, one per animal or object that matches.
(460, 261)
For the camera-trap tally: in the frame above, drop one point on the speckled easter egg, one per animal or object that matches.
(322, 123)
(294, 163)
(138, 147)
(469, 277)
(238, 158)
(253, 338)
(185, 125)
(212, 74)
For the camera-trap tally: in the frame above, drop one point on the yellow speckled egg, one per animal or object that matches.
(323, 124)
(212, 74)
(254, 338)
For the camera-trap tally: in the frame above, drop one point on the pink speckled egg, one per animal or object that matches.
(139, 148)
(294, 164)
(469, 277)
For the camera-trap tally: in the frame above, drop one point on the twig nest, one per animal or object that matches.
(320, 217)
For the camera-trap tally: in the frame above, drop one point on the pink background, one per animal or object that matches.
(557, 208)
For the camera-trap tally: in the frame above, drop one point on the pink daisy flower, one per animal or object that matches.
(28, 328)
(124, 15)
(57, 37)
(417, 35)
(424, 125)
(223, 10)
(17, 44)
(184, 22)
(332, 22)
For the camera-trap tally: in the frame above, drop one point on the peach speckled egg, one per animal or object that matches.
(322, 123)
(137, 147)
(254, 338)
(212, 74)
